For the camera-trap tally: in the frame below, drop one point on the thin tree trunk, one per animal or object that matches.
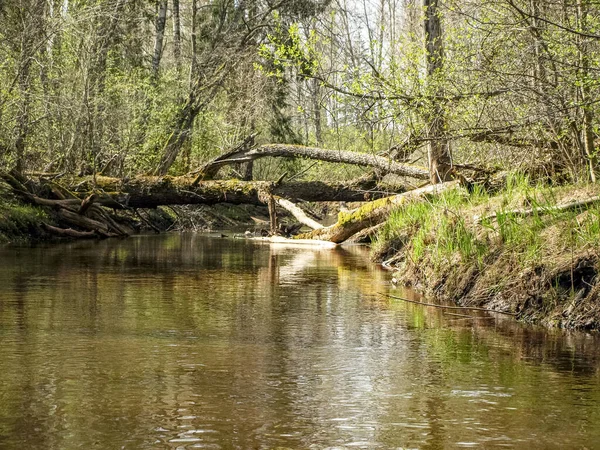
(161, 20)
(194, 42)
(23, 120)
(584, 90)
(177, 36)
(316, 97)
(438, 152)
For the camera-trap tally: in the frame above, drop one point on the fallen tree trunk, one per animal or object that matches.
(71, 233)
(542, 210)
(209, 170)
(372, 213)
(150, 191)
(83, 206)
(298, 213)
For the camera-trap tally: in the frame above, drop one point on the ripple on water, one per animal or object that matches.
(185, 342)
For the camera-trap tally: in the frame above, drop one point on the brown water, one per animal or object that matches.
(188, 341)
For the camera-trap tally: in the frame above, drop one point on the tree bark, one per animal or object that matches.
(373, 213)
(177, 36)
(438, 152)
(210, 169)
(161, 20)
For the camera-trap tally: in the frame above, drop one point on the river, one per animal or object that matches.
(194, 341)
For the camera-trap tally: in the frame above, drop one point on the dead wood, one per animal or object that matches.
(435, 305)
(151, 191)
(209, 170)
(372, 213)
(69, 232)
(298, 213)
(86, 203)
(541, 210)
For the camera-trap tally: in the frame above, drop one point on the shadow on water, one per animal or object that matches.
(185, 341)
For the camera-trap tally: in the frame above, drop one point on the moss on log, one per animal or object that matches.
(372, 213)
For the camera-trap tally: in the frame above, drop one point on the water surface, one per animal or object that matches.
(192, 341)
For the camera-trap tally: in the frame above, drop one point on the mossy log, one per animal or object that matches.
(372, 213)
(152, 191)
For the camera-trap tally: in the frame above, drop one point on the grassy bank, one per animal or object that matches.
(543, 267)
(20, 222)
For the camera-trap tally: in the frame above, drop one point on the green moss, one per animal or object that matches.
(363, 212)
(20, 222)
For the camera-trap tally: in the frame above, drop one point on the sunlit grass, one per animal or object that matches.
(443, 230)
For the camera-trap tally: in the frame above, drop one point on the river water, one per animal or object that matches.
(192, 341)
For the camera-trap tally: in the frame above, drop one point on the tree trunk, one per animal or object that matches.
(161, 20)
(373, 213)
(194, 43)
(316, 100)
(584, 90)
(438, 152)
(177, 36)
(150, 191)
(210, 169)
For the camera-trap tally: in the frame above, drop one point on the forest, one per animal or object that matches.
(125, 87)
(467, 130)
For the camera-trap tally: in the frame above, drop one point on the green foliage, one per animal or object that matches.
(20, 222)
(437, 228)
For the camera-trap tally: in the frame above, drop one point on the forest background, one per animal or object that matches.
(123, 87)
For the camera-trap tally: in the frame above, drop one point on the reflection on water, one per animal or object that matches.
(188, 341)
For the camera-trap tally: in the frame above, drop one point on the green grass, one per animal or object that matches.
(20, 222)
(436, 228)
(442, 230)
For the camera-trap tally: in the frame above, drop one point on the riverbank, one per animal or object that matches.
(20, 222)
(23, 223)
(514, 251)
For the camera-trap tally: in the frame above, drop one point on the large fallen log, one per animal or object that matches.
(151, 191)
(372, 213)
(87, 196)
(209, 170)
